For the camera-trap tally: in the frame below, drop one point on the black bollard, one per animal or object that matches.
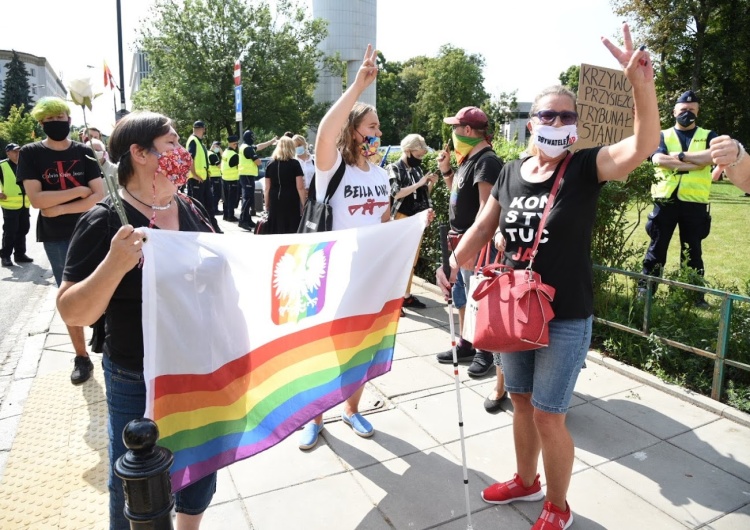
(144, 471)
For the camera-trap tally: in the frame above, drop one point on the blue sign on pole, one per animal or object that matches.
(238, 103)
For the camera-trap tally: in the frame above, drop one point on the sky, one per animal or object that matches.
(507, 34)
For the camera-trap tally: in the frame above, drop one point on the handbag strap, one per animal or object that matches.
(550, 200)
(333, 184)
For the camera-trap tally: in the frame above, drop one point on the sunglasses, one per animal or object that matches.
(547, 117)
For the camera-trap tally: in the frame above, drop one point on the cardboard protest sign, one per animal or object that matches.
(605, 107)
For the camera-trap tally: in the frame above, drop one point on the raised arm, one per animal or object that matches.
(731, 159)
(616, 161)
(331, 124)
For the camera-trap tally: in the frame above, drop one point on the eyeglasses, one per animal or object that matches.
(548, 117)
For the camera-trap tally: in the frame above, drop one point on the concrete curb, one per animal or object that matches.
(699, 400)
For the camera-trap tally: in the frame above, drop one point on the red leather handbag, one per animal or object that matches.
(515, 305)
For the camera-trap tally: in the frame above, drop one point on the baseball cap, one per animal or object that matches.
(688, 97)
(471, 116)
(198, 124)
(12, 147)
(233, 138)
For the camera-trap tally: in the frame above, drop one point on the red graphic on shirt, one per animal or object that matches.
(368, 207)
(63, 177)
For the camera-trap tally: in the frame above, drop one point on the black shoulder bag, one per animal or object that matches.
(317, 216)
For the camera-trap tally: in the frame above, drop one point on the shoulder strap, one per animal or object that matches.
(552, 194)
(333, 184)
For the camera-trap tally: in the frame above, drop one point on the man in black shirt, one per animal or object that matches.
(63, 180)
(470, 185)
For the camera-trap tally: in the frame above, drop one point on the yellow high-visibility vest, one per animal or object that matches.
(230, 174)
(14, 196)
(693, 186)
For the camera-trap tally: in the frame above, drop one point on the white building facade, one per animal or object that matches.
(43, 81)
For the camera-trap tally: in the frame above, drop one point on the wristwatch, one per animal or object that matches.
(681, 156)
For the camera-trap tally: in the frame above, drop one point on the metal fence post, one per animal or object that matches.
(144, 470)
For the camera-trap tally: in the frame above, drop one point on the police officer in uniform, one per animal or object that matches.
(683, 172)
(249, 162)
(15, 205)
(230, 178)
(214, 173)
(198, 186)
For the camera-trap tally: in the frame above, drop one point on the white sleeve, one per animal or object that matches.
(322, 178)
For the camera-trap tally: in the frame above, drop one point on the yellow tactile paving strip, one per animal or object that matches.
(56, 473)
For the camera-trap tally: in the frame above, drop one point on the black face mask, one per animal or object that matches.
(413, 161)
(56, 130)
(686, 119)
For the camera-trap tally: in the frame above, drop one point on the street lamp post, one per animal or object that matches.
(123, 112)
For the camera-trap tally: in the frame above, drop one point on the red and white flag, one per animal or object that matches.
(108, 79)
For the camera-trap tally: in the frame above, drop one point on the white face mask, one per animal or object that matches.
(553, 141)
(100, 155)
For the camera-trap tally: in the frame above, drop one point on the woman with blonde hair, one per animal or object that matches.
(305, 159)
(284, 190)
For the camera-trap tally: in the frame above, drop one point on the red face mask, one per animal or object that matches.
(175, 164)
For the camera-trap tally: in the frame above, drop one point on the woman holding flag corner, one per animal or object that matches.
(541, 381)
(102, 276)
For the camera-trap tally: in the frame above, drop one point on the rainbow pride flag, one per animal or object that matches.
(247, 338)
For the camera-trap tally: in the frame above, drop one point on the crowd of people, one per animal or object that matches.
(94, 257)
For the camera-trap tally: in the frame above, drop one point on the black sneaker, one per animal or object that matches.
(6, 262)
(463, 354)
(412, 302)
(82, 371)
(481, 364)
(23, 258)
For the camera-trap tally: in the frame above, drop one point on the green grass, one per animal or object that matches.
(726, 251)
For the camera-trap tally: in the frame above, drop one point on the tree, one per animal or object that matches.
(501, 109)
(569, 77)
(453, 80)
(192, 49)
(19, 128)
(16, 88)
(398, 87)
(702, 45)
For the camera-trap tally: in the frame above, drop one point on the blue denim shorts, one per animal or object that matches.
(550, 374)
(459, 290)
(56, 252)
(126, 401)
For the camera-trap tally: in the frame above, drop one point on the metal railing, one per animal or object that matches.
(722, 343)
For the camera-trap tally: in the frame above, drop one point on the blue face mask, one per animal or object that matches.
(300, 150)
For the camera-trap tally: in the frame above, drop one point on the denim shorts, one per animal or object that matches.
(550, 374)
(126, 400)
(460, 289)
(56, 252)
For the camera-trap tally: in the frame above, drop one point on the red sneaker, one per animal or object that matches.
(513, 490)
(552, 518)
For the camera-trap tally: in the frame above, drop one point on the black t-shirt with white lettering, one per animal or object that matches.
(564, 254)
(57, 170)
(483, 166)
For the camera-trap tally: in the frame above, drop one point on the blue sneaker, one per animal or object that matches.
(358, 424)
(309, 435)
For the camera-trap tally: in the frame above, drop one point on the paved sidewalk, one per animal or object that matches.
(648, 455)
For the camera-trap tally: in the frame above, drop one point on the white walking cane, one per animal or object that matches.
(447, 270)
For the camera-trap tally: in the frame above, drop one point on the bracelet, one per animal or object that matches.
(740, 154)
(447, 173)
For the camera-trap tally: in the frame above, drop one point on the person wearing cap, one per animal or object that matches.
(541, 381)
(249, 163)
(680, 193)
(230, 178)
(731, 160)
(214, 174)
(197, 186)
(15, 205)
(470, 184)
(63, 180)
(410, 194)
